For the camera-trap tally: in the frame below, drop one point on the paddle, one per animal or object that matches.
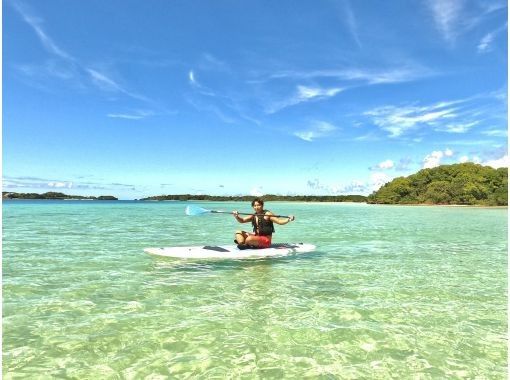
(194, 210)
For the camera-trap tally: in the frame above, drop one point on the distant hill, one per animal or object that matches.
(458, 184)
(267, 198)
(54, 196)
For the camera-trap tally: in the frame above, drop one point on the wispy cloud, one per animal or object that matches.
(63, 65)
(212, 108)
(210, 62)
(103, 81)
(195, 84)
(136, 115)
(496, 132)
(226, 108)
(317, 129)
(351, 22)
(36, 24)
(446, 15)
(403, 164)
(106, 83)
(486, 42)
(33, 183)
(456, 116)
(399, 120)
(404, 73)
(304, 94)
(453, 18)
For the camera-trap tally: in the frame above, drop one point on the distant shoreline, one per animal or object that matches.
(9, 195)
(227, 201)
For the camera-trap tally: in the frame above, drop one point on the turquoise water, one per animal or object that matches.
(391, 292)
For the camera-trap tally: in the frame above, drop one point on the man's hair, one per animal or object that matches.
(259, 200)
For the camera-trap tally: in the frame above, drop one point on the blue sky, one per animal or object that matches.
(140, 98)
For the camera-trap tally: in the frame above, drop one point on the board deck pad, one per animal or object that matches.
(230, 251)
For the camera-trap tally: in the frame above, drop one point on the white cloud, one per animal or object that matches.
(350, 19)
(399, 120)
(353, 187)
(456, 127)
(388, 164)
(32, 184)
(485, 44)
(36, 24)
(446, 15)
(63, 65)
(496, 133)
(433, 159)
(378, 179)
(136, 115)
(498, 163)
(199, 87)
(304, 94)
(404, 73)
(57, 185)
(103, 81)
(475, 159)
(318, 129)
(256, 191)
(384, 165)
(455, 117)
(191, 77)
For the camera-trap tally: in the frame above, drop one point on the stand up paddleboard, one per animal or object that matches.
(231, 251)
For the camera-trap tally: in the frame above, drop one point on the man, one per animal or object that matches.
(262, 222)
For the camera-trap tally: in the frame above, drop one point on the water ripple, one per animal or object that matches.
(392, 292)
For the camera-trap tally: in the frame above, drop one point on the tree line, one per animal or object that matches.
(52, 195)
(459, 184)
(267, 198)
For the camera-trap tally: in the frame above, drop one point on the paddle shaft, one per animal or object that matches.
(244, 213)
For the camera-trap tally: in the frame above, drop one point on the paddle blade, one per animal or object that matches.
(195, 210)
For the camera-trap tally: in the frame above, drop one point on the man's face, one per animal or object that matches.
(257, 207)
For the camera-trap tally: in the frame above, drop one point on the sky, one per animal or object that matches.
(222, 97)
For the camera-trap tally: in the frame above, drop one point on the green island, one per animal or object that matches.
(267, 198)
(457, 184)
(55, 196)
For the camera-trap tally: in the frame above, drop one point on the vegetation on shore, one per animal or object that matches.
(457, 184)
(267, 198)
(55, 196)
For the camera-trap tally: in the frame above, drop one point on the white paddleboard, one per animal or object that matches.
(231, 251)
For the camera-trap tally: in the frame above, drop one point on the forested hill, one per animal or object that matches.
(459, 184)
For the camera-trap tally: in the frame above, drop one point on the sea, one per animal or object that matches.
(391, 292)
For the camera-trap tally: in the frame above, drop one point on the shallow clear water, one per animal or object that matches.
(391, 292)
